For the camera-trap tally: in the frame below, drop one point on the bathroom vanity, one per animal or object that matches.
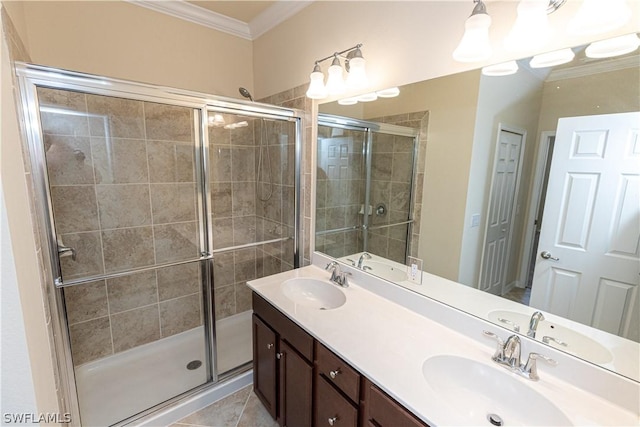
(302, 383)
(368, 355)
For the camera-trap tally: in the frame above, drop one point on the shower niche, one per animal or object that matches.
(158, 207)
(365, 192)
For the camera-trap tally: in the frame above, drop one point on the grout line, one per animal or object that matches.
(244, 407)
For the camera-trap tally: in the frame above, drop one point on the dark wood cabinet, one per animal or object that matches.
(303, 383)
(380, 410)
(282, 363)
(264, 364)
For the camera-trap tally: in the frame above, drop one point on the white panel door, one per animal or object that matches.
(588, 265)
(495, 255)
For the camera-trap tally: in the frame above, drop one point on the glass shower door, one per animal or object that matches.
(124, 197)
(253, 207)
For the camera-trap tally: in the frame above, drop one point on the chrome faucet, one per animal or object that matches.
(338, 277)
(508, 355)
(365, 255)
(533, 323)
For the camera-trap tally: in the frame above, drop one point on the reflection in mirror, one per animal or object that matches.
(505, 211)
(364, 189)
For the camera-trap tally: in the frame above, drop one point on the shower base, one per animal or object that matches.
(116, 387)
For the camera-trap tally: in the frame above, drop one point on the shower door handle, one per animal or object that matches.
(65, 251)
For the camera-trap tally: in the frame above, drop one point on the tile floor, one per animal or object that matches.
(519, 295)
(240, 409)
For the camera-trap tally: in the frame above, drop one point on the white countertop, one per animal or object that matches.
(389, 343)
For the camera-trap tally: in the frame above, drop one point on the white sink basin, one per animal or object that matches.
(472, 391)
(576, 343)
(386, 271)
(313, 293)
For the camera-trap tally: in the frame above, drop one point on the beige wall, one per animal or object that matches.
(25, 249)
(121, 40)
(513, 102)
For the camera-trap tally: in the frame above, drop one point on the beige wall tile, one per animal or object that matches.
(243, 198)
(132, 291)
(85, 302)
(220, 163)
(168, 122)
(222, 232)
(243, 297)
(115, 117)
(88, 255)
(61, 122)
(135, 327)
(126, 205)
(127, 248)
(221, 201)
(171, 161)
(175, 242)
(180, 314)
(178, 280)
(173, 203)
(244, 230)
(119, 161)
(243, 164)
(223, 269)
(75, 208)
(68, 160)
(225, 298)
(90, 340)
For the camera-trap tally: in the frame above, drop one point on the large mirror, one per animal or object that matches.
(509, 197)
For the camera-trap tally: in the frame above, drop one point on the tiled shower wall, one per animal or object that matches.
(122, 180)
(340, 190)
(393, 162)
(250, 208)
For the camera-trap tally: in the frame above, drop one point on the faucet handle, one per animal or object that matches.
(531, 368)
(331, 266)
(499, 354)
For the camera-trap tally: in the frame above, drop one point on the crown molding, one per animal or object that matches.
(596, 67)
(198, 15)
(274, 15)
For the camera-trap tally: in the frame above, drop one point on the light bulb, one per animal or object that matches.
(551, 59)
(503, 69)
(475, 45)
(599, 16)
(316, 90)
(531, 29)
(357, 78)
(335, 82)
(613, 47)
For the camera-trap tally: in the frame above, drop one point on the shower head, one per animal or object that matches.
(244, 92)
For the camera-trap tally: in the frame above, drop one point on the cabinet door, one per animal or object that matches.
(296, 388)
(264, 364)
(333, 409)
(381, 410)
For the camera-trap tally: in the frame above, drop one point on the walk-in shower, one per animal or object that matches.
(149, 198)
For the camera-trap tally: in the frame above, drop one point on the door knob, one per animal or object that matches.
(547, 255)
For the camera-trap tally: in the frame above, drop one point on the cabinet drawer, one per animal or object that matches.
(288, 330)
(332, 409)
(382, 411)
(336, 371)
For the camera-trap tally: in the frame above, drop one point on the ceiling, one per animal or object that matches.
(245, 11)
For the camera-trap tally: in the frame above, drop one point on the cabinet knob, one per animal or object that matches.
(333, 420)
(269, 346)
(279, 355)
(334, 374)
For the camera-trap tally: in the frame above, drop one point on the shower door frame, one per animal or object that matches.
(369, 128)
(30, 77)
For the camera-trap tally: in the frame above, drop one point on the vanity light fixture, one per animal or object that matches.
(368, 97)
(551, 59)
(502, 69)
(388, 93)
(336, 85)
(475, 45)
(531, 29)
(613, 47)
(598, 16)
